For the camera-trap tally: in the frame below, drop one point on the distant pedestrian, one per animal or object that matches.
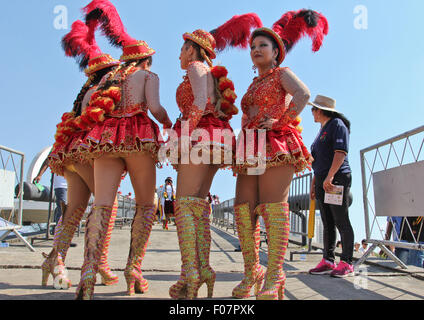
(60, 188)
(167, 199)
(357, 246)
(414, 233)
(364, 247)
(331, 168)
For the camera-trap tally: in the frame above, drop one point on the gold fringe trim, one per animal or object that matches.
(95, 150)
(280, 159)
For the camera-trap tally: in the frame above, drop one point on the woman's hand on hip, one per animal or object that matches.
(267, 123)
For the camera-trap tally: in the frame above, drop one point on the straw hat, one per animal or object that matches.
(324, 103)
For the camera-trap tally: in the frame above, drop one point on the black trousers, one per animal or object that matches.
(334, 216)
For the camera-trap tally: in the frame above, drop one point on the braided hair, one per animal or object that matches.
(92, 81)
(125, 69)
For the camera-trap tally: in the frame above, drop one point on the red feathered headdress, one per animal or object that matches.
(80, 43)
(105, 13)
(294, 25)
(236, 31)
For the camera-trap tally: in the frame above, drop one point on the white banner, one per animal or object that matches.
(398, 192)
(7, 188)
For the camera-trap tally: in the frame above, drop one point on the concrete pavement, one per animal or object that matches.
(20, 273)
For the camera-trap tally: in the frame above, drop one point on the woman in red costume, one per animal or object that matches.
(271, 139)
(206, 100)
(122, 138)
(64, 160)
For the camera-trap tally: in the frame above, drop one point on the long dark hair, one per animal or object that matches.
(124, 68)
(196, 48)
(333, 115)
(91, 82)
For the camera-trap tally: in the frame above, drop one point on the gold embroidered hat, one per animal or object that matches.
(100, 62)
(138, 50)
(204, 39)
(80, 43)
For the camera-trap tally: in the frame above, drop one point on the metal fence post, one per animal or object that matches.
(368, 199)
(8, 229)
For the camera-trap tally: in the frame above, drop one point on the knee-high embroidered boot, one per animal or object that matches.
(95, 235)
(54, 262)
(141, 228)
(108, 277)
(277, 223)
(188, 212)
(249, 237)
(207, 274)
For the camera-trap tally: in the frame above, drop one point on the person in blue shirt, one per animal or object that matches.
(331, 167)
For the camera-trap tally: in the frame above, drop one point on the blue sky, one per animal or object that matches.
(375, 74)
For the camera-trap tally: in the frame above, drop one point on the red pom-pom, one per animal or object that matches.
(86, 120)
(225, 83)
(219, 72)
(67, 131)
(60, 138)
(95, 96)
(104, 103)
(296, 121)
(113, 93)
(96, 114)
(229, 95)
(80, 124)
(225, 106)
(72, 124)
(67, 115)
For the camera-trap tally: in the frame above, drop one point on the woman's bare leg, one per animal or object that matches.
(274, 187)
(274, 184)
(247, 192)
(78, 194)
(107, 178)
(142, 171)
(194, 180)
(207, 183)
(86, 172)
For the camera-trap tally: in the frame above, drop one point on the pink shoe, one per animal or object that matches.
(343, 270)
(324, 267)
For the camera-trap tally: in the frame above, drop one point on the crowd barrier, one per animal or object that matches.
(392, 185)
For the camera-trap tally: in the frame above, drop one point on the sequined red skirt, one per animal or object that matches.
(63, 157)
(119, 137)
(271, 149)
(216, 137)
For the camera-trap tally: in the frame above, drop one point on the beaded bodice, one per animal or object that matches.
(268, 95)
(185, 99)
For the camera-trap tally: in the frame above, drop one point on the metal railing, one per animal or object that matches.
(7, 157)
(299, 202)
(124, 216)
(383, 160)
